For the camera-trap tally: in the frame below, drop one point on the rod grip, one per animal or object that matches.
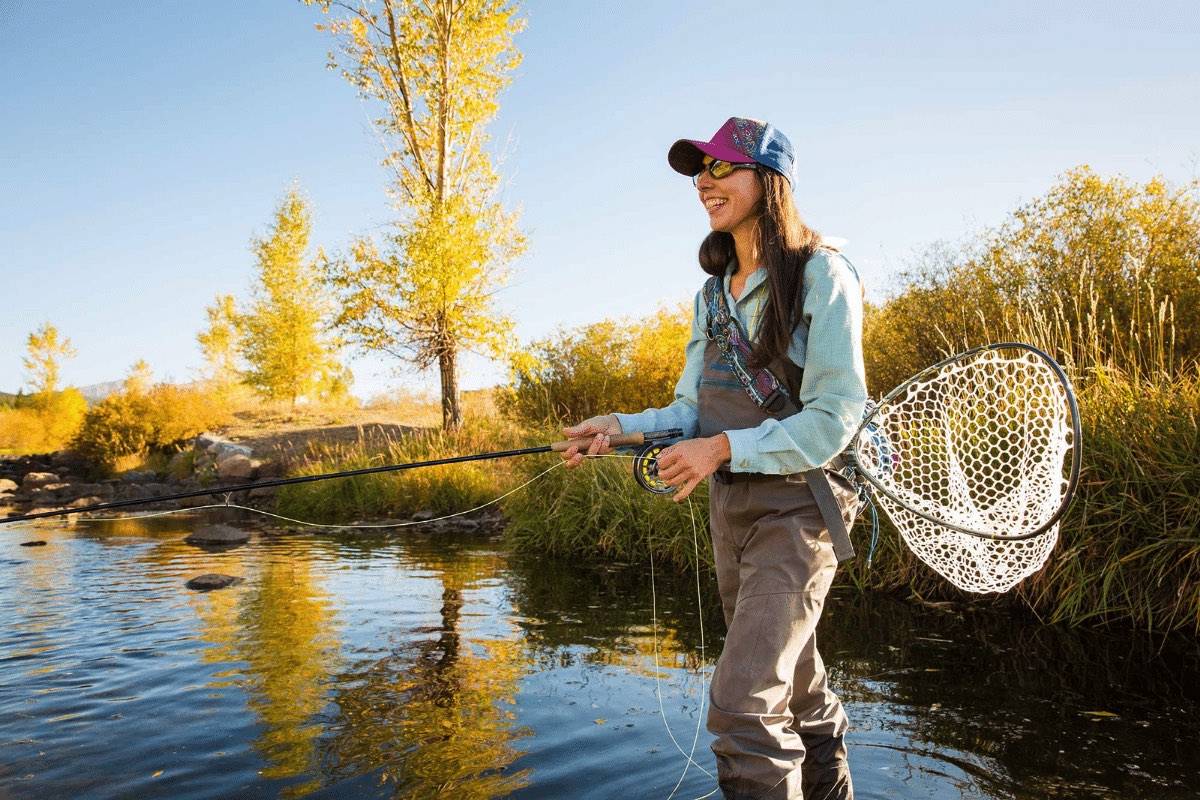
(616, 440)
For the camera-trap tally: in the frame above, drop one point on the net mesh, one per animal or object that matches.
(983, 443)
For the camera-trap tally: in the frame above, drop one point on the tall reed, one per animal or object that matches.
(443, 490)
(1129, 545)
(599, 511)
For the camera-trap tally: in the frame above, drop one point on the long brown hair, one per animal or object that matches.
(785, 243)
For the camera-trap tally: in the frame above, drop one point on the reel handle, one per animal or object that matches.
(617, 440)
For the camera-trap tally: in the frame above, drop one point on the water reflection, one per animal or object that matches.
(424, 666)
(434, 716)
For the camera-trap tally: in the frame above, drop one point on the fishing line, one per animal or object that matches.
(689, 755)
(658, 668)
(329, 526)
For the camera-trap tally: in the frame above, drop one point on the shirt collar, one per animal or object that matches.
(758, 277)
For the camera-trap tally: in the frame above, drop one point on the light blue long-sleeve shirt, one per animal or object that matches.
(827, 344)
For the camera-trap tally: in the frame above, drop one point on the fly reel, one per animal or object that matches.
(645, 470)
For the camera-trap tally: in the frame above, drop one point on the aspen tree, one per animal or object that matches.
(219, 341)
(434, 71)
(46, 352)
(288, 352)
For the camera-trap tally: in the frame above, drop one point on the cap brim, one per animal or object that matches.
(686, 156)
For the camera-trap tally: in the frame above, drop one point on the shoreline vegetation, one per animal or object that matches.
(1101, 273)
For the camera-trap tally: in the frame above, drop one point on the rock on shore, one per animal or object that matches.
(61, 480)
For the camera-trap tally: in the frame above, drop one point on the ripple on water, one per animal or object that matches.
(341, 666)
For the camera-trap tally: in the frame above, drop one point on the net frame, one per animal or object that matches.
(975, 460)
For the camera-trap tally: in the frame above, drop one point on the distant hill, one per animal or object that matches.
(93, 393)
(98, 391)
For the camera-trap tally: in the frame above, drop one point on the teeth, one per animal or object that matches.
(714, 202)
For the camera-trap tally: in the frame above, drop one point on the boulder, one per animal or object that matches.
(36, 480)
(138, 476)
(217, 534)
(207, 440)
(423, 516)
(68, 461)
(224, 450)
(102, 490)
(134, 492)
(84, 502)
(8, 486)
(237, 466)
(212, 580)
(270, 469)
(43, 495)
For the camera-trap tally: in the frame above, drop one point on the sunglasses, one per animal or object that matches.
(720, 169)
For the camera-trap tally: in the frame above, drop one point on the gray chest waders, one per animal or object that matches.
(773, 398)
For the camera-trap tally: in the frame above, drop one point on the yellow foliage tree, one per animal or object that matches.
(46, 351)
(284, 332)
(219, 341)
(435, 70)
(139, 379)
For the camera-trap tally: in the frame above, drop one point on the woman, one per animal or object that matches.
(778, 727)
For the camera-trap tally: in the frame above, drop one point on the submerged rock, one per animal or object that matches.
(34, 543)
(212, 580)
(217, 534)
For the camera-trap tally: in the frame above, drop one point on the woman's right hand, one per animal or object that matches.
(600, 428)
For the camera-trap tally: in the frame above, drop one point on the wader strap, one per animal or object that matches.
(831, 512)
(765, 388)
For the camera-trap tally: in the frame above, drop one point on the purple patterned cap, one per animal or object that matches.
(741, 141)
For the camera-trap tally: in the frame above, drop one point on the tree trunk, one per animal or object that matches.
(451, 407)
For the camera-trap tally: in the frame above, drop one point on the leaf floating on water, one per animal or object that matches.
(600, 721)
(155, 775)
(1099, 713)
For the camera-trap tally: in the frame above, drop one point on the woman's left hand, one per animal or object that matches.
(686, 463)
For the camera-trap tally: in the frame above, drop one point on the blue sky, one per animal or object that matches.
(143, 144)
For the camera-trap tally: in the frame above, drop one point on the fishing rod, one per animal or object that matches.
(645, 471)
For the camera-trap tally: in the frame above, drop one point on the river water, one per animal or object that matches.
(445, 666)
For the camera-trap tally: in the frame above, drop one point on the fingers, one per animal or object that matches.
(672, 467)
(608, 424)
(682, 494)
(599, 445)
(573, 456)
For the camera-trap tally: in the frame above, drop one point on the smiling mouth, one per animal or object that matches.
(714, 203)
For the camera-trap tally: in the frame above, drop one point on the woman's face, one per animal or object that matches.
(732, 202)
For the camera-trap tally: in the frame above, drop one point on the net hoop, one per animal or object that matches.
(873, 421)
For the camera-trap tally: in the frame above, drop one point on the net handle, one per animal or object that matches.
(1076, 444)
